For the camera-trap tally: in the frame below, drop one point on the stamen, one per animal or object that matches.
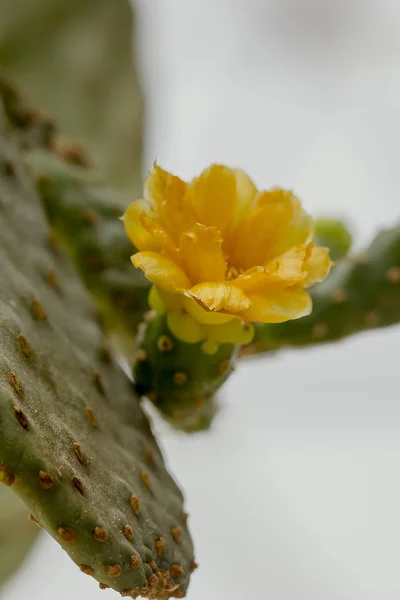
(232, 273)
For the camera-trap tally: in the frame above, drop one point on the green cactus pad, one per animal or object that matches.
(361, 293)
(74, 442)
(180, 378)
(85, 216)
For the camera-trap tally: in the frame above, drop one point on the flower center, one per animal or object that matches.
(232, 272)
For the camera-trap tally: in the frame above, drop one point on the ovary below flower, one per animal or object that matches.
(217, 249)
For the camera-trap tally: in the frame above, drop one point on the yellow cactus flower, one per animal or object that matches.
(219, 250)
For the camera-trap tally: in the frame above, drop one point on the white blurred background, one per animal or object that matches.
(295, 493)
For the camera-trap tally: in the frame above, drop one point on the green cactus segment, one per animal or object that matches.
(85, 216)
(361, 293)
(74, 442)
(17, 534)
(334, 235)
(178, 377)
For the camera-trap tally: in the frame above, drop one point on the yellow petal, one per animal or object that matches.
(276, 224)
(220, 297)
(287, 270)
(246, 193)
(281, 304)
(234, 332)
(185, 327)
(169, 196)
(162, 271)
(298, 230)
(290, 265)
(203, 315)
(160, 234)
(137, 233)
(213, 196)
(156, 302)
(202, 253)
(254, 279)
(210, 347)
(318, 265)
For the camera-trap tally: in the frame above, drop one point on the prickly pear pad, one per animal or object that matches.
(74, 443)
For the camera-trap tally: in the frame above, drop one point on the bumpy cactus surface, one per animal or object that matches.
(85, 217)
(74, 443)
(361, 293)
(180, 378)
